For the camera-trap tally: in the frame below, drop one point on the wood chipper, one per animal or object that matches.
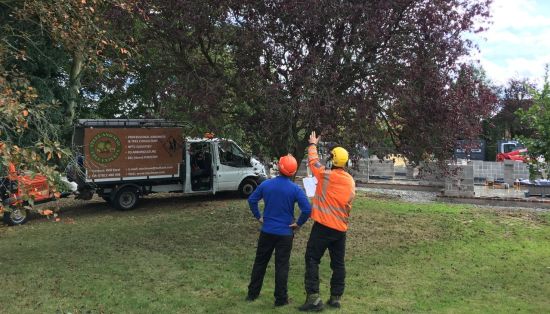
(16, 189)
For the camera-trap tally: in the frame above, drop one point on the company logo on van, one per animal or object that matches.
(105, 147)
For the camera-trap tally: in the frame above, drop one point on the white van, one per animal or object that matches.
(124, 159)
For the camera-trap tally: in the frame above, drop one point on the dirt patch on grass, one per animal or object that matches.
(528, 218)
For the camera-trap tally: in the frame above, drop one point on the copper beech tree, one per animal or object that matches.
(377, 73)
(368, 72)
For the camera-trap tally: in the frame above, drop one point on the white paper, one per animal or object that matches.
(310, 183)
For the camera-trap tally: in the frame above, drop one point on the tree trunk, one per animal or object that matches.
(507, 133)
(74, 86)
(300, 153)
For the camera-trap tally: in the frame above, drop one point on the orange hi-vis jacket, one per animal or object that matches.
(333, 196)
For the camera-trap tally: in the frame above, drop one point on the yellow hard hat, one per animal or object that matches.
(340, 157)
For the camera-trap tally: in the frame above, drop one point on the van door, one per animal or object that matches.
(202, 170)
(186, 170)
(232, 162)
(215, 167)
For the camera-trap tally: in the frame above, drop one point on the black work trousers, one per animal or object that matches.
(266, 244)
(321, 239)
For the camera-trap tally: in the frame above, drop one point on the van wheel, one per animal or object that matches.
(247, 187)
(16, 216)
(126, 199)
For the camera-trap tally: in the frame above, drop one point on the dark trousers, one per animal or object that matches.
(320, 239)
(266, 244)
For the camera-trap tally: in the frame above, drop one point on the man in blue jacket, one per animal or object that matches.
(278, 224)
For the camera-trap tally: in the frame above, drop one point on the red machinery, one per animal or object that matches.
(517, 155)
(12, 189)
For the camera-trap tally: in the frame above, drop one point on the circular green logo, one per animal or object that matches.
(105, 147)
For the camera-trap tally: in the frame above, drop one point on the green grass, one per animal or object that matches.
(194, 255)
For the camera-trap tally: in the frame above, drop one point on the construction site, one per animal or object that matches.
(477, 182)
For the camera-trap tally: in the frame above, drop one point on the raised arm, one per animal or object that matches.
(313, 157)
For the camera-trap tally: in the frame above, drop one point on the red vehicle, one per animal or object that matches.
(12, 188)
(511, 150)
(517, 155)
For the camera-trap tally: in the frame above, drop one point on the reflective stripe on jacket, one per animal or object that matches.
(333, 196)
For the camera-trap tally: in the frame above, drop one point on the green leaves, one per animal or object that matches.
(537, 117)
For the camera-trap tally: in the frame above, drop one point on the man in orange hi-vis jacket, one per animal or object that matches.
(330, 211)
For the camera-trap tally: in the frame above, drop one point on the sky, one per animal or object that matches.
(517, 44)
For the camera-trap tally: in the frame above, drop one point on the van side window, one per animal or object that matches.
(232, 155)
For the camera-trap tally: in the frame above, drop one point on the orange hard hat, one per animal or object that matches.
(288, 165)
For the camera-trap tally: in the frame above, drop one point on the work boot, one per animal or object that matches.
(250, 298)
(334, 301)
(313, 304)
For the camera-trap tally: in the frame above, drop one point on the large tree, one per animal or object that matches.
(44, 46)
(87, 33)
(359, 71)
(516, 94)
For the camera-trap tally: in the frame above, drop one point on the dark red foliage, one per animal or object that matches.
(370, 72)
(361, 72)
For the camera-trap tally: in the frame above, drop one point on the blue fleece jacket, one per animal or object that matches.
(279, 195)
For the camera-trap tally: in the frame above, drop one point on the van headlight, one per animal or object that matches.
(258, 167)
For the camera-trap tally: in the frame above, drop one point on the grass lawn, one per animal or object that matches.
(194, 255)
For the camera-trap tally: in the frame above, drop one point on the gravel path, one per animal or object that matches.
(427, 197)
(406, 195)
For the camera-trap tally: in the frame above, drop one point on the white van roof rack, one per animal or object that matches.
(126, 123)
